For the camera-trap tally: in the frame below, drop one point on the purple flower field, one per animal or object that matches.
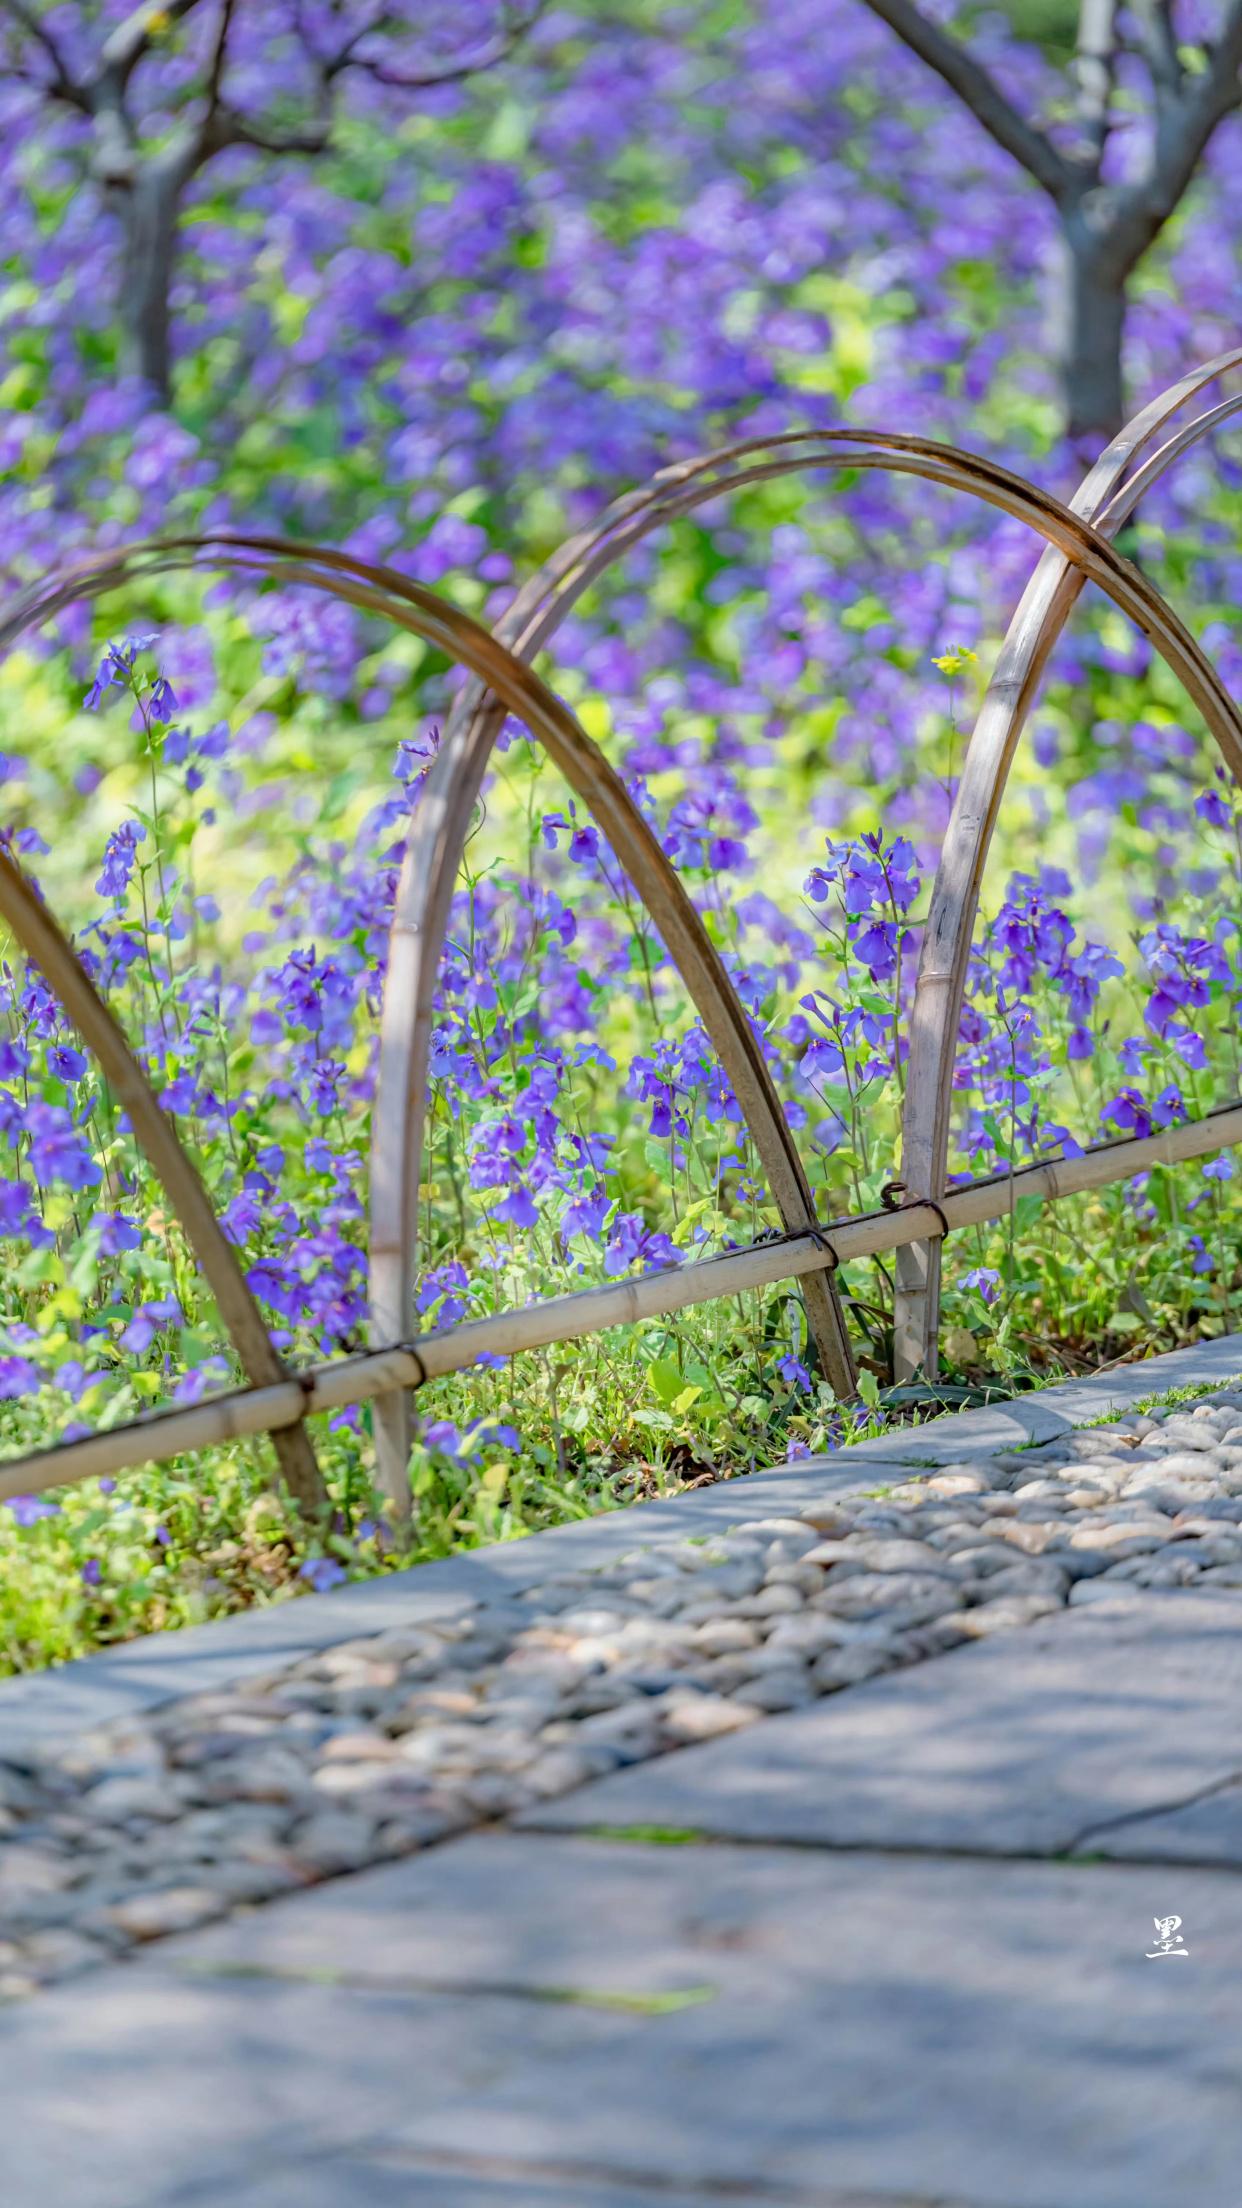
(446, 341)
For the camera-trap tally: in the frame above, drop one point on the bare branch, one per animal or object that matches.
(215, 73)
(979, 91)
(1159, 43)
(227, 128)
(61, 85)
(1184, 126)
(126, 45)
(500, 48)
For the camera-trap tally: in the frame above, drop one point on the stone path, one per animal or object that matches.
(877, 1933)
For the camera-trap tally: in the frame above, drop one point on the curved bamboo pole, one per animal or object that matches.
(1041, 615)
(424, 885)
(50, 950)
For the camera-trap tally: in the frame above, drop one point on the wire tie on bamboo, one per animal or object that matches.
(810, 1232)
(410, 1351)
(893, 1197)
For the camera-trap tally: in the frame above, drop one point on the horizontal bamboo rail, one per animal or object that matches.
(376, 1374)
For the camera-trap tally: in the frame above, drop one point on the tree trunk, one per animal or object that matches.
(1093, 326)
(151, 209)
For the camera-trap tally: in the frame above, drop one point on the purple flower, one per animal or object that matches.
(518, 1208)
(120, 854)
(92, 1572)
(986, 1279)
(66, 1064)
(198, 1382)
(20, 1220)
(323, 1572)
(28, 1509)
(443, 1436)
(57, 1154)
(162, 701)
(147, 1321)
(630, 1242)
(116, 667)
(18, 1376)
(117, 1232)
(793, 1370)
(1128, 1111)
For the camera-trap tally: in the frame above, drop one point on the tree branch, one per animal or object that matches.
(498, 49)
(228, 128)
(124, 48)
(61, 86)
(215, 73)
(1155, 18)
(1184, 125)
(979, 91)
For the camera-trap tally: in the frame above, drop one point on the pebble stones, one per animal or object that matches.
(376, 1748)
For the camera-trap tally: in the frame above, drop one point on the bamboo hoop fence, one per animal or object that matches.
(1077, 549)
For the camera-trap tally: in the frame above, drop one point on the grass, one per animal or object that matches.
(645, 1836)
(619, 2000)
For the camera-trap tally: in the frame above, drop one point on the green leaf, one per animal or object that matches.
(666, 1379)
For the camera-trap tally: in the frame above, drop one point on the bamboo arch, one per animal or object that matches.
(428, 872)
(1077, 550)
(1038, 621)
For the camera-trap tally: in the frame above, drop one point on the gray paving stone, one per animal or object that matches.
(368, 2183)
(924, 2030)
(1204, 1831)
(1017, 1745)
(136, 2090)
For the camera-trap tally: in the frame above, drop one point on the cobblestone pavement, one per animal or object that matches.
(376, 1748)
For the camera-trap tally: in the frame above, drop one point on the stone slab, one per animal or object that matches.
(1205, 1831)
(1044, 1413)
(366, 2182)
(922, 2030)
(1018, 1745)
(131, 2089)
(140, 1675)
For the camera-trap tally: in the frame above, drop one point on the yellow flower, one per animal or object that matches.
(957, 657)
